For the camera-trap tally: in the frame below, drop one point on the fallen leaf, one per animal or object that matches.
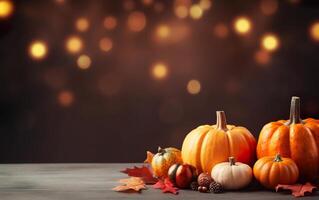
(131, 184)
(149, 157)
(298, 190)
(143, 172)
(166, 186)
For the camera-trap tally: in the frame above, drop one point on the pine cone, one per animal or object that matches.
(194, 185)
(215, 187)
(204, 179)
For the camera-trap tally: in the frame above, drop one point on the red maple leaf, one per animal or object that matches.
(166, 186)
(143, 172)
(298, 190)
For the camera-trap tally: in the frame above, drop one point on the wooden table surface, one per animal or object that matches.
(94, 181)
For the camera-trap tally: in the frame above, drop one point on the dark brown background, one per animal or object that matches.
(145, 113)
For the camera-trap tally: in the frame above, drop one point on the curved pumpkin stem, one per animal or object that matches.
(278, 158)
(294, 111)
(232, 161)
(221, 120)
(160, 150)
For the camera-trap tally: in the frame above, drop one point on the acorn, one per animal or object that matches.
(204, 179)
(202, 189)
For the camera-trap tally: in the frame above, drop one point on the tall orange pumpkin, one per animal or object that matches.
(294, 138)
(207, 145)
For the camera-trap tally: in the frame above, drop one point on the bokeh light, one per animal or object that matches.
(110, 22)
(205, 4)
(38, 50)
(181, 11)
(6, 8)
(147, 2)
(268, 7)
(74, 44)
(82, 24)
(262, 57)
(159, 70)
(270, 42)
(242, 25)
(193, 87)
(65, 98)
(84, 61)
(136, 21)
(221, 30)
(106, 44)
(195, 11)
(163, 31)
(314, 31)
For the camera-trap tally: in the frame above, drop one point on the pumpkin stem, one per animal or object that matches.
(294, 111)
(232, 161)
(278, 158)
(221, 120)
(160, 150)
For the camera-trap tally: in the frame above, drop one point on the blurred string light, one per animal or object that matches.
(195, 11)
(159, 70)
(82, 24)
(163, 31)
(60, 1)
(181, 11)
(74, 44)
(242, 25)
(147, 2)
(268, 7)
(110, 22)
(205, 4)
(136, 21)
(193, 87)
(314, 31)
(6, 8)
(262, 57)
(221, 30)
(270, 42)
(65, 98)
(84, 61)
(181, 8)
(38, 50)
(106, 44)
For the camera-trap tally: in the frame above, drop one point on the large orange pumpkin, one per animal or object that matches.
(294, 138)
(207, 145)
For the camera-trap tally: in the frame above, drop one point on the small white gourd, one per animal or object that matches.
(232, 175)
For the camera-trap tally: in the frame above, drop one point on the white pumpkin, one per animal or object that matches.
(232, 175)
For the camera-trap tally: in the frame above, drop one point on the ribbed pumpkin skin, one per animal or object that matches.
(270, 173)
(299, 142)
(206, 146)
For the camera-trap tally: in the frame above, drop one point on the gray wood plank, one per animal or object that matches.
(93, 181)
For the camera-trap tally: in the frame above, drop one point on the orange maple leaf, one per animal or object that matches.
(130, 184)
(298, 190)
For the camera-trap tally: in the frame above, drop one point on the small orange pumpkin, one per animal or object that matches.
(207, 145)
(271, 171)
(165, 158)
(294, 138)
